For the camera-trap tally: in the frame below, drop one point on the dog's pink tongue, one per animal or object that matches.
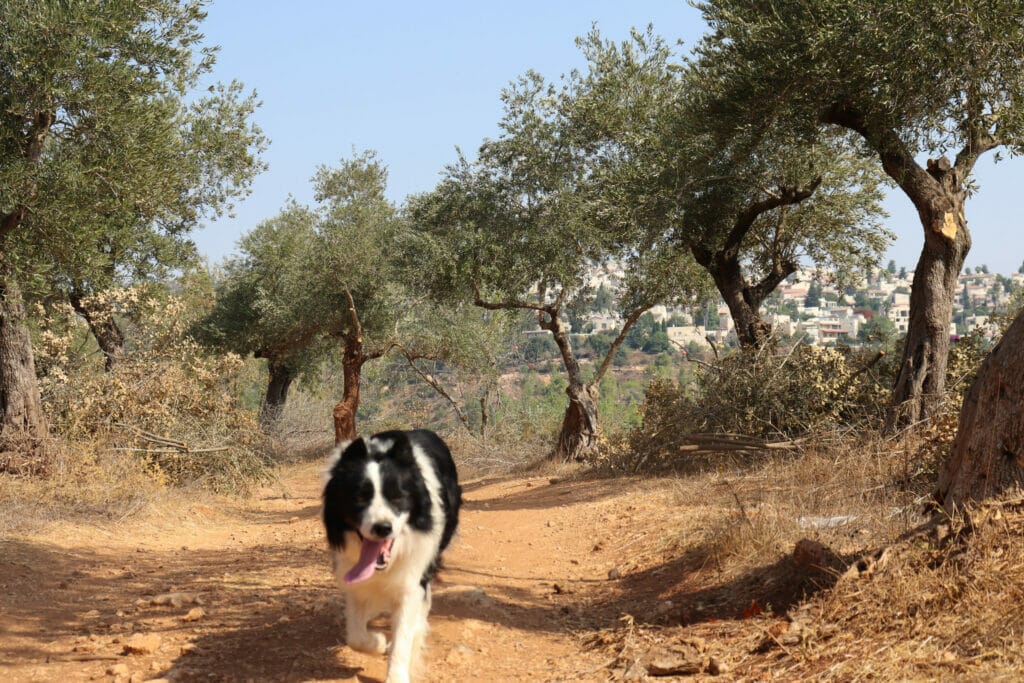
(367, 563)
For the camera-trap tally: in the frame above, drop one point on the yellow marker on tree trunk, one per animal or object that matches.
(948, 227)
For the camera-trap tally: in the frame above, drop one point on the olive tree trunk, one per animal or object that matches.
(22, 422)
(920, 384)
(723, 264)
(104, 329)
(938, 192)
(345, 410)
(988, 453)
(744, 300)
(281, 377)
(578, 435)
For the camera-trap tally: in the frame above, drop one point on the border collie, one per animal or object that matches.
(391, 505)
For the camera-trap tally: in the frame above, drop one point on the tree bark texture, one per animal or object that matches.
(723, 264)
(938, 192)
(578, 435)
(104, 329)
(281, 377)
(22, 422)
(920, 383)
(345, 410)
(580, 426)
(988, 453)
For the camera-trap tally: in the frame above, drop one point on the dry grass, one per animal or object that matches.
(83, 483)
(304, 430)
(906, 596)
(940, 605)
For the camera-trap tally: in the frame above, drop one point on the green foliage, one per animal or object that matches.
(750, 206)
(657, 343)
(256, 306)
(879, 330)
(105, 144)
(284, 296)
(813, 298)
(641, 331)
(911, 67)
(537, 347)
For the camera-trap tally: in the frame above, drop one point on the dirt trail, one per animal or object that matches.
(250, 596)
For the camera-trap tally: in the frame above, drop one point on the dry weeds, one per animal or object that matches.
(901, 595)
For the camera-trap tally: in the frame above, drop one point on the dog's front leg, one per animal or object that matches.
(409, 621)
(357, 634)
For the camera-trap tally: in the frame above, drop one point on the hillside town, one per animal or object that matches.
(806, 307)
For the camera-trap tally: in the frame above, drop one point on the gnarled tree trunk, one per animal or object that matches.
(988, 453)
(22, 422)
(345, 409)
(578, 435)
(723, 264)
(281, 377)
(920, 384)
(751, 331)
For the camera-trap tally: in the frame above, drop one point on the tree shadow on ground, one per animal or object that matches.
(539, 494)
(679, 591)
(270, 612)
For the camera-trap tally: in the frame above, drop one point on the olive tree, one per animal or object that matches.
(254, 310)
(523, 228)
(751, 208)
(314, 278)
(326, 279)
(98, 145)
(915, 80)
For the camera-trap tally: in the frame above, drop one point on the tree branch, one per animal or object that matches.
(978, 139)
(617, 342)
(786, 196)
(435, 385)
(897, 161)
(503, 305)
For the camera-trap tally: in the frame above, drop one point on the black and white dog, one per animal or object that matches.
(391, 505)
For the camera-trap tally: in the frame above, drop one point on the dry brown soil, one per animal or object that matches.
(536, 587)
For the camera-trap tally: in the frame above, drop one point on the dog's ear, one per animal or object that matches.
(353, 450)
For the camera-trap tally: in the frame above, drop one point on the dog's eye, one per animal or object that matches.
(364, 496)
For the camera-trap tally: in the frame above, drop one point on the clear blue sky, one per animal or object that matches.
(415, 80)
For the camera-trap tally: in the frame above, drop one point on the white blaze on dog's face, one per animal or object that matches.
(387, 510)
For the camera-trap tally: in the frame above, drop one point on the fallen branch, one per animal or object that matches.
(216, 449)
(173, 445)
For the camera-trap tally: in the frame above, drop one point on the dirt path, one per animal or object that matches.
(246, 594)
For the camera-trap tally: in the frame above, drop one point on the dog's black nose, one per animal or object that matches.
(381, 529)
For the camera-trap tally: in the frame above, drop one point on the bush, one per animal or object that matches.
(759, 394)
(165, 402)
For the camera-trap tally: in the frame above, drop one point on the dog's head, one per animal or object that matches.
(372, 489)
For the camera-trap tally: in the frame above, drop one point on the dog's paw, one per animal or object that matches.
(397, 676)
(371, 642)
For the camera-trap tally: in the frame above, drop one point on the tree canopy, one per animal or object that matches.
(751, 207)
(522, 227)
